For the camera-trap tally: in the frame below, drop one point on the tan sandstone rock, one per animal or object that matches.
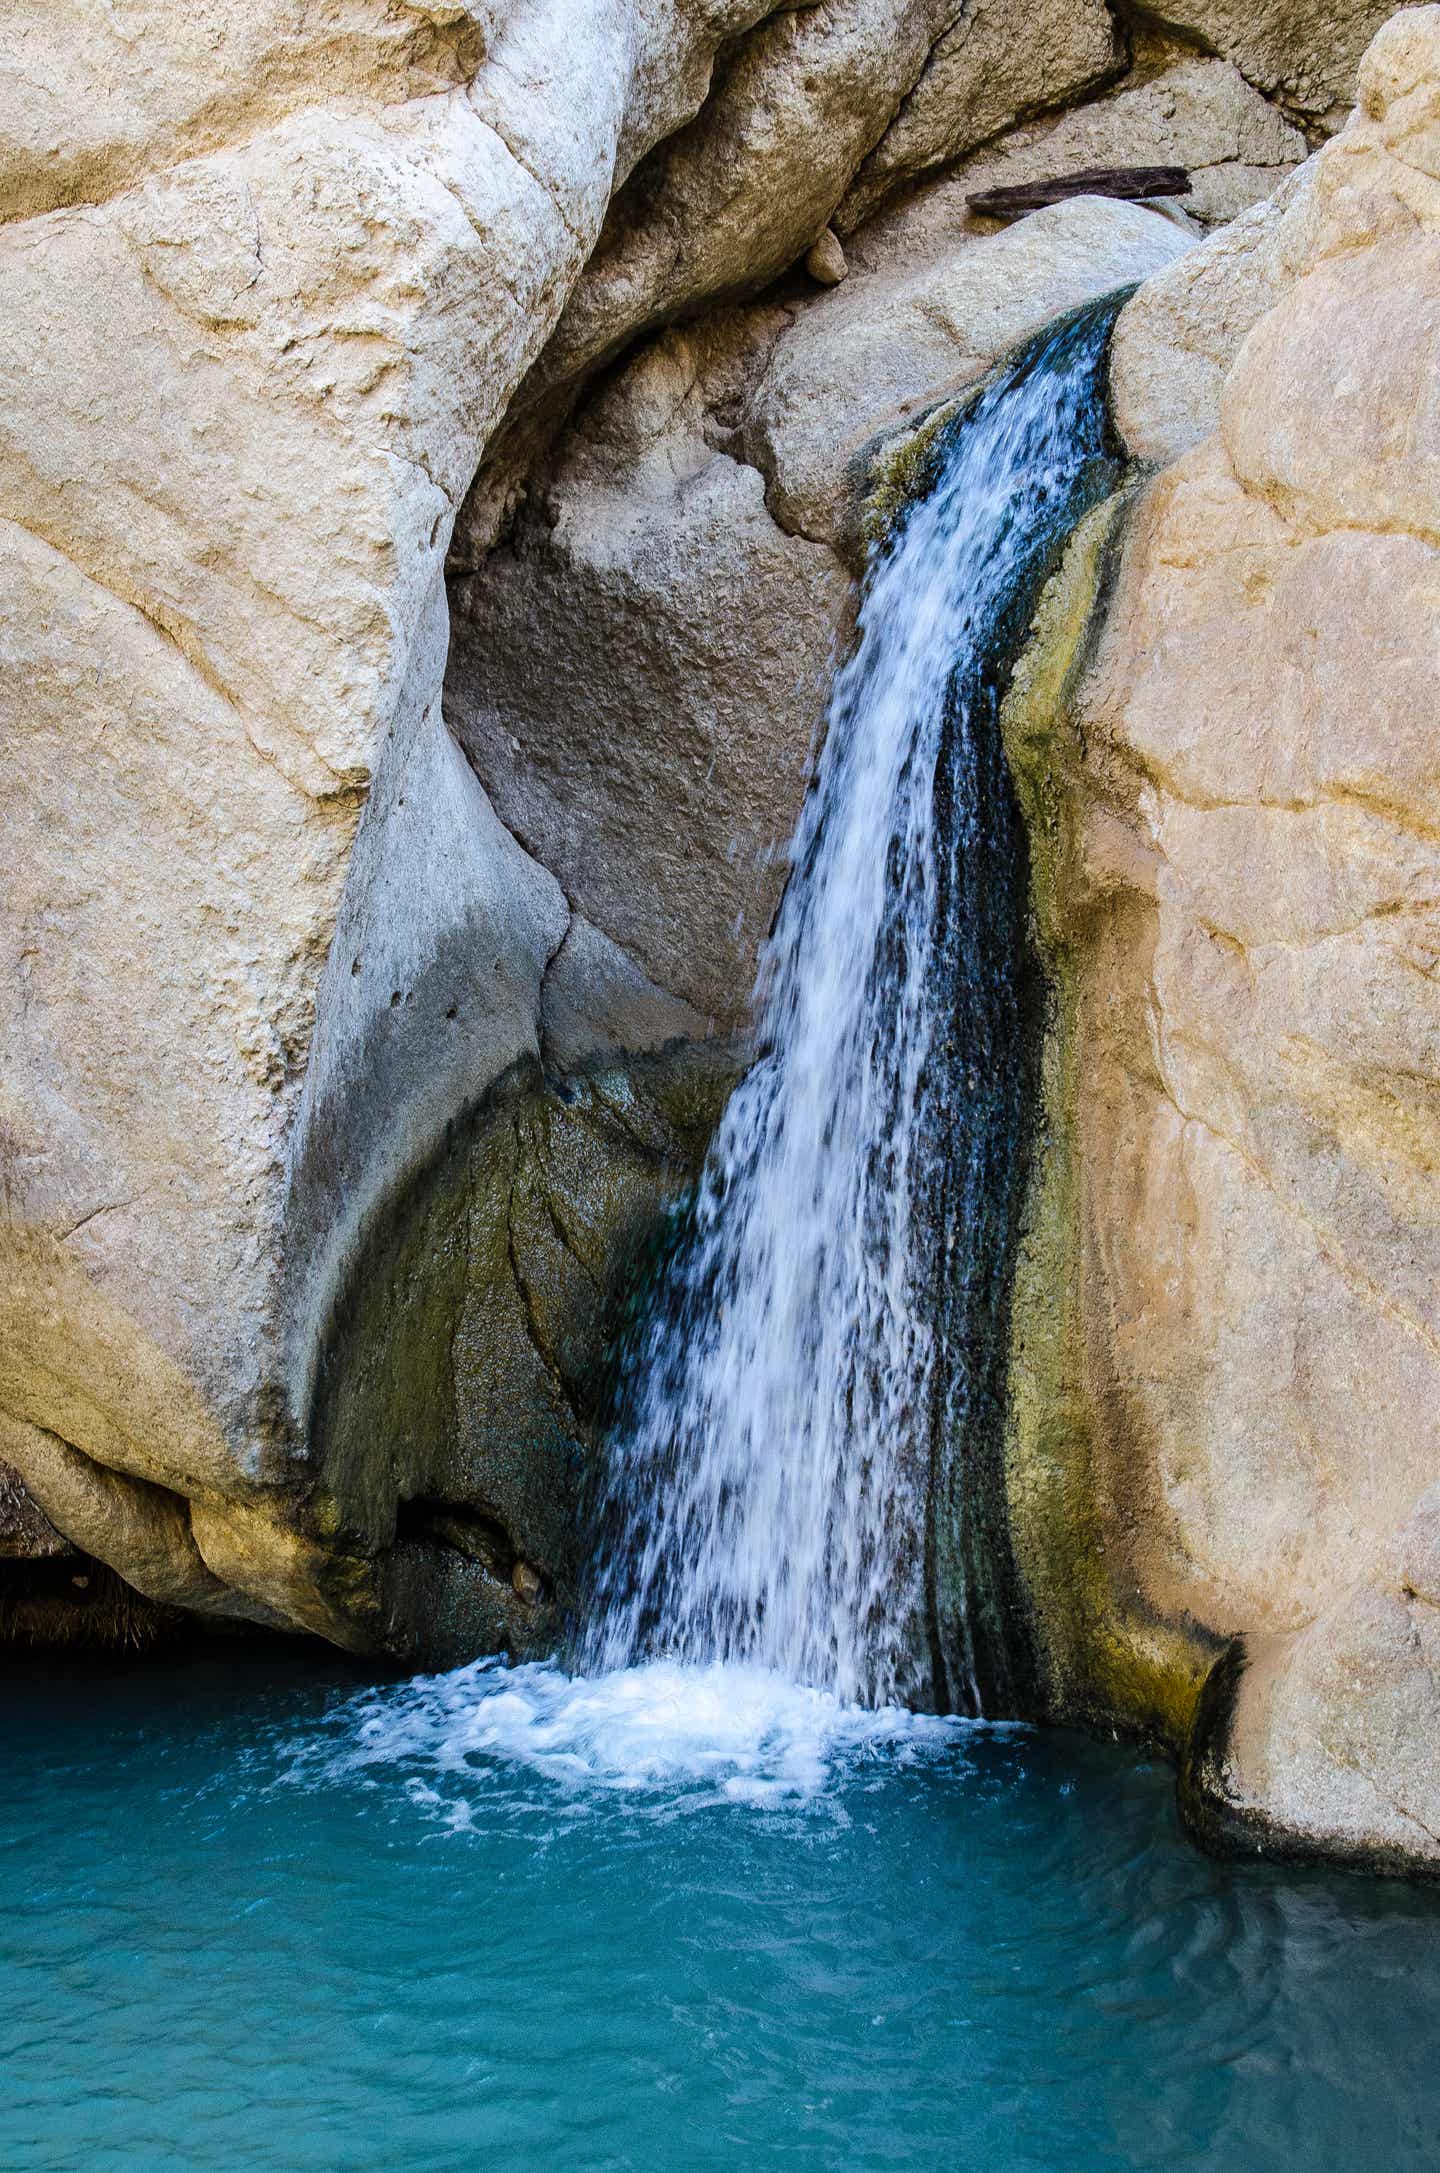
(1174, 343)
(825, 259)
(726, 204)
(1332, 1736)
(247, 378)
(1305, 53)
(1228, 1371)
(267, 300)
(999, 63)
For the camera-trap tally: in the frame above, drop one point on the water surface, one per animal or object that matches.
(258, 1915)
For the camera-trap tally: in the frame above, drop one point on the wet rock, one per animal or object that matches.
(26, 1533)
(528, 1582)
(910, 326)
(466, 1374)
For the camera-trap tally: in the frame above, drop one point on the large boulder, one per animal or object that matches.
(266, 300)
(638, 673)
(1228, 1330)
(918, 320)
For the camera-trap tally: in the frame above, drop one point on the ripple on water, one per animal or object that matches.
(668, 1921)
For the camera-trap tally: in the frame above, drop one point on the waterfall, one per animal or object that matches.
(818, 1381)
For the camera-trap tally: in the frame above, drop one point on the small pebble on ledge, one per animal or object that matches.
(826, 259)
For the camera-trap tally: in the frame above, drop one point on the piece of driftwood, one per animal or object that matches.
(1128, 181)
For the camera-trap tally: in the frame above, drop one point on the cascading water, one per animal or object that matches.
(819, 1377)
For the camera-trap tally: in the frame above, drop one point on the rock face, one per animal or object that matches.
(52, 1594)
(1176, 340)
(267, 300)
(467, 1372)
(1227, 1452)
(1304, 53)
(998, 63)
(916, 322)
(1200, 114)
(26, 1535)
(649, 637)
(735, 198)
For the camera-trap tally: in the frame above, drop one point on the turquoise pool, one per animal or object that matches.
(260, 1914)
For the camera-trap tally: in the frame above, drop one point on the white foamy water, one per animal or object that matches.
(783, 1492)
(684, 1737)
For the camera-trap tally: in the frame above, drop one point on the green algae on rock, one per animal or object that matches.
(466, 1370)
(1106, 1658)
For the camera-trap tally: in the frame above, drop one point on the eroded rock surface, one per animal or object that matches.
(463, 1382)
(915, 323)
(1305, 53)
(1196, 113)
(1228, 1362)
(267, 298)
(1175, 342)
(734, 199)
(649, 639)
(999, 63)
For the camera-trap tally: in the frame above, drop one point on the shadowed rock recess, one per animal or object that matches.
(432, 490)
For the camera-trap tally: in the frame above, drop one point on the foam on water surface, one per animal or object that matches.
(681, 1737)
